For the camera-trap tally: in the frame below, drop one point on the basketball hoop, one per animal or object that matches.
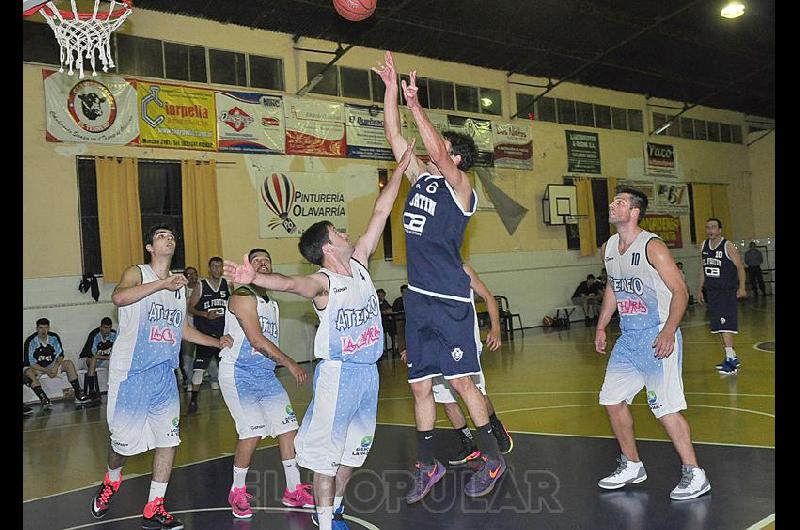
(81, 34)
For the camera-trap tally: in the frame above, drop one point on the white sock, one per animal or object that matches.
(325, 515)
(157, 489)
(197, 376)
(239, 476)
(337, 501)
(292, 473)
(729, 352)
(114, 474)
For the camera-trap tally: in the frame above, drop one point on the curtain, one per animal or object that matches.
(201, 232)
(398, 233)
(119, 215)
(586, 223)
(611, 182)
(703, 209)
(721, 207)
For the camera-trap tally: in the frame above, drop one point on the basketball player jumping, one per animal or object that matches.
(440, 316)
(647, 288)
(337, 430)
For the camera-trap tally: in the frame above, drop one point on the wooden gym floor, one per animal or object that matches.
(544, 386)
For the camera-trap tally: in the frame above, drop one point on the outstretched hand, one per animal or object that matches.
(241, 274)
(386, 70)
(410, 90)
(402, 165)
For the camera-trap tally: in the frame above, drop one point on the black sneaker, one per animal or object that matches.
(45, 403)
(82, 399)
(26, 410)
(504, 441)
(467, 452)
(156, 517)
(192, 407)
(102, 499)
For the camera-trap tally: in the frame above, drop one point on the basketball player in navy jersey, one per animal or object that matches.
(722, 274)
(339, 425)
(647, 288)
(207, 305)
(440, 315)
(143, 407)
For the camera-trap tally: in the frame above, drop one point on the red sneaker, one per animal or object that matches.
(239, 500)
(156, 517)
(301, 497)
(102, 499)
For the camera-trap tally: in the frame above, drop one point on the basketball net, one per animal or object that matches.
(81, 34)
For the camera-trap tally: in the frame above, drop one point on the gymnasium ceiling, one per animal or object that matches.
(680, 50)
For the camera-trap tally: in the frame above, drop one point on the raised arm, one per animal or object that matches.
(310, 286)
(659, 256)
(368, 242)
(733, 252)
(493, 340)
(435, 145)
(392, 127)
(130, 289)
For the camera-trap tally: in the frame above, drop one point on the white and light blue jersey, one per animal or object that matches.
(242, 352)
(642, 296)
(350, 328)
(150, 330)
(434, 224)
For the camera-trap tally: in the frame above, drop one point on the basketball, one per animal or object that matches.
(354, 10)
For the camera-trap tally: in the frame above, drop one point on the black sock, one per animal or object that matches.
(96, 385)
(487, 443)
(39, 391)
(88, 383)
(193, 398)
(464, 435)
(425, 447)
(76, 386)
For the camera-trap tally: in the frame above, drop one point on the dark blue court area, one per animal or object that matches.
(551, 482)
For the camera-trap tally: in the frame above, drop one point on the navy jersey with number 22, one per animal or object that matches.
(434, 224)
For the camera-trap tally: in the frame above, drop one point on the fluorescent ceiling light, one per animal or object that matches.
(732, 10)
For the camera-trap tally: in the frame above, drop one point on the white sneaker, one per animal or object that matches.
(214, 385)
(693, 484)
(627, 472)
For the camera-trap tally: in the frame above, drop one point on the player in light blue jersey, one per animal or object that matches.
(339, 426)
(647, 288)
(143, 410)
(255, 398)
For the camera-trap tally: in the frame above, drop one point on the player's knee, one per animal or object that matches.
(421, 389)
(461, 384)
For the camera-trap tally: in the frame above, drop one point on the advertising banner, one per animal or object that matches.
(178, 117)
(365, 136)
(250, 123)
(314, 128)
(513, 145)
(100, 110)
(667, 227)
(659, 159)
(583, 152)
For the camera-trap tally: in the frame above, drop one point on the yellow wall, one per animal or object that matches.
(51, 229)
(762, 189)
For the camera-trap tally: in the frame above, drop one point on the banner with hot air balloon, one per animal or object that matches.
(250, 123)
(314, 127)
(291, 202)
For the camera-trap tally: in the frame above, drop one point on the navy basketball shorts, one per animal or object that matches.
(203, 356)
(723, 310)
(441, 337)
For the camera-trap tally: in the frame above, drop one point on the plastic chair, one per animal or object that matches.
(507, 317)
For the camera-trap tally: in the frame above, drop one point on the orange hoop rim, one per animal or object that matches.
(128, 4)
